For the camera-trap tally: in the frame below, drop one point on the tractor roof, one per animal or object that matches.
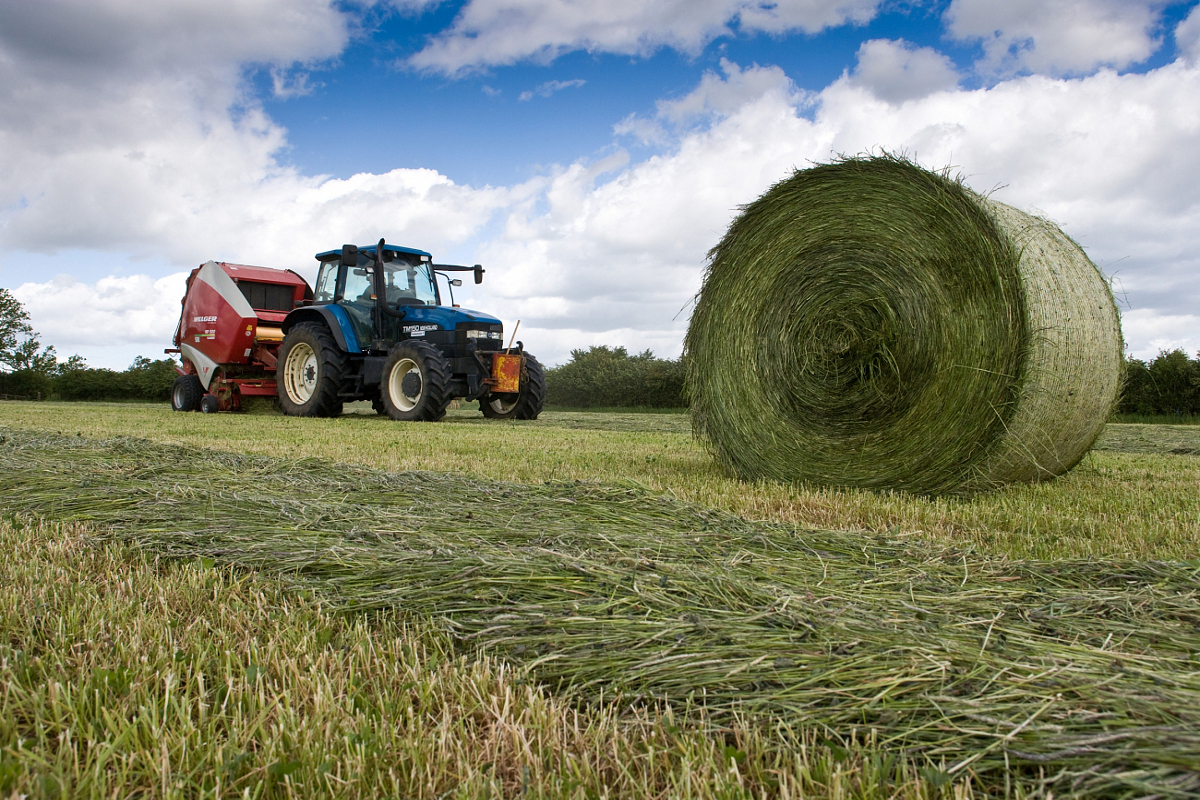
(371, 249)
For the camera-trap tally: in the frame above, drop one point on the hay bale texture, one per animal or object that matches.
(869, 323)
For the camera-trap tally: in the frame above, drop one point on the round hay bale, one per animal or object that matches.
(869, 323)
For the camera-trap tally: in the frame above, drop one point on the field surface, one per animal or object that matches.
(658, 628)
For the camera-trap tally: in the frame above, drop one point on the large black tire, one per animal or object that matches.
(310, 372)
(525, 404)
(414, 384)
(186, 393)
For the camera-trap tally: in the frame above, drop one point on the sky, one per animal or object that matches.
(588, 153)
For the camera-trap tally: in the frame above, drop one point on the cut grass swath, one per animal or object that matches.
(869, 323)
(1083, 676)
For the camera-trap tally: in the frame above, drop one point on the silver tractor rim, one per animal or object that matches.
(502, 406)
(402, 401)
(300, 373)
(177, 397)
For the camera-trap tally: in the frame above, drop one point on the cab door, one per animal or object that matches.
(356, 294)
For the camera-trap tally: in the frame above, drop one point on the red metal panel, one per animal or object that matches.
(506, 373)
(263, 274)
(215, 321)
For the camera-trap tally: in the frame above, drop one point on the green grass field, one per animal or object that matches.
(580, 606)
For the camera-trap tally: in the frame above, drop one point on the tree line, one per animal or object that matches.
(598, 377)
(1168, 385)
(609, 377)
(29, 370)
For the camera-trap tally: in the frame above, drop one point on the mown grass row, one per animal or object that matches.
(1134, 497)
(125, 676)
(1081, 676)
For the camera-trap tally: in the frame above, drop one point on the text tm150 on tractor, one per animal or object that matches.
(375, 328)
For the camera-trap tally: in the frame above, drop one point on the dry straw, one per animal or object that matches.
(869, 323)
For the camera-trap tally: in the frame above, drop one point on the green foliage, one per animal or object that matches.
(28, 370)
(19, 346)
(144, 380)
(604, 377)
(1168, 385)
(26, 383)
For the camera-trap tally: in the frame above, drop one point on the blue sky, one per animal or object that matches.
(588, 153)
(479, 130)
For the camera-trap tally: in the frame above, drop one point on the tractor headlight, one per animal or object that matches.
(484, 335)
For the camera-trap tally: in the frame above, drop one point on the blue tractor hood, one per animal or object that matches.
(446, 317)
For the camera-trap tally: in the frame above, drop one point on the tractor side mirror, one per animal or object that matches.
(349, 255)
(479, 270)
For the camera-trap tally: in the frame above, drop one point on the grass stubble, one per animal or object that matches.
(992, 676)
(127, 676)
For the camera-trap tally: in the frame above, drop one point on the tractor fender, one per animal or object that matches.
(331, 316)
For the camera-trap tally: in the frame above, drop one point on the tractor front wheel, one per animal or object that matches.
(524, 404)
(310, 372)
(414, 384)
(186, 392)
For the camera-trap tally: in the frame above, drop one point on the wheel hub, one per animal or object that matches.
(405, 385)
(300, 373)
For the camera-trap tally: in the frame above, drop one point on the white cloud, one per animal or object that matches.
(97, 41)
(143, 145)
(896, 71)
(108, 322)
(1149, 332)
(495, 32)
(177, 165)
(721, 96)
(1187, 36)
(810, 16)
(623, 249)
(550, 87)
(716, 96)
(1060, 37)
(287, 84)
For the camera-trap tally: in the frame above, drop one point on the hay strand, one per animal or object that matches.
(872, 324)
(1083, 672)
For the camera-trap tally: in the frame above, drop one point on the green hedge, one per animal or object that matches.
(604, 377)
(143, 380)
(1168, 385)
(26, 383)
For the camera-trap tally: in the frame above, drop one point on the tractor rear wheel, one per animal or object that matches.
(525, 404)
(310, 372)
(186, 392)
(414, 384)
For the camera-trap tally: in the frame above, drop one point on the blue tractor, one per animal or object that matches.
(378, 329)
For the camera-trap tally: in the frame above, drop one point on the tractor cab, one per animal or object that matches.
(408, 277)
(389, 302)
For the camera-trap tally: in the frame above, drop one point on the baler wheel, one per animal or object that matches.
(186, 392)
(414, 385)
(209, 404)
(525, 404)
(310, 372)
